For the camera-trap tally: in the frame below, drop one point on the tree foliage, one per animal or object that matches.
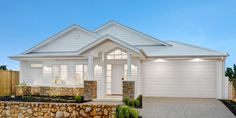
(3, 67)
(231, 72)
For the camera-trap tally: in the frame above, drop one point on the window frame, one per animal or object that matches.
(59, 70)
(113, 55)
(84, 68)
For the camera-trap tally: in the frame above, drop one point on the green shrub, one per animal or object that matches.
(79, 99)
(126, 100)
(126, 112)
(137, 103)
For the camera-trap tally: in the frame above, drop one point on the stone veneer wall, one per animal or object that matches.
(128, 89)
(55, 110)
(90, 89)
(48, 91)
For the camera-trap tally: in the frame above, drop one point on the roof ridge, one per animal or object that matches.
(131, 29)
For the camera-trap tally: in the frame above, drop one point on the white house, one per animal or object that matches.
(114, 53)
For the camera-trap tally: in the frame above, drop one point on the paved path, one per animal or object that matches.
(184, 108)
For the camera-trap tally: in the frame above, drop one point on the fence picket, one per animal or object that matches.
(8, 80)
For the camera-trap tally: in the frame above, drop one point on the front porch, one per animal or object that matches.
(108, 62)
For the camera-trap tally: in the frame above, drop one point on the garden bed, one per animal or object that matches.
(56, 99)
(230, 105)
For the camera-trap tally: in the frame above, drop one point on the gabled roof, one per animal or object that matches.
(105, 38)
(159, 49)
(60, 34)
(180, 50)
(131, 30)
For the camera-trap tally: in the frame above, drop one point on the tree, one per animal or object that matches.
(231, 73)
(3, 67)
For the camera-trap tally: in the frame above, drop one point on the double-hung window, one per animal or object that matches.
(60, 74)
(81, 73)
(134, 72)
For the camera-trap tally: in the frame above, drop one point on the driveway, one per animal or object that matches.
(184, 108)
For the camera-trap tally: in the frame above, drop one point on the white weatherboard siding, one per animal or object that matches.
(71, 41)
(126, 36)
(180, 79)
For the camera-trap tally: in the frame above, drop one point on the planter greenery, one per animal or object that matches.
(136, 103)
(79, 99)
(126, 112)
(56, 99)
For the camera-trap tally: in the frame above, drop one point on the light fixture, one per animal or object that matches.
(197, 60)
(159, 60)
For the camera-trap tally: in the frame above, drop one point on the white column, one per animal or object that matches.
(139, 78)
(129, 65)
(104, 74)
(90, 67)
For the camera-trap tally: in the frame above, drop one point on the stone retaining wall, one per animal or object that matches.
(55, 110)
(48, 91)
(128, 89)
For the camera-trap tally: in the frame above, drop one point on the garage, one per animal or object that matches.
(180, 78)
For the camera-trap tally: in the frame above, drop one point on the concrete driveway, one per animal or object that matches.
(184, 108)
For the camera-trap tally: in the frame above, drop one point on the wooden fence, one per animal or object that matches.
(8, 80)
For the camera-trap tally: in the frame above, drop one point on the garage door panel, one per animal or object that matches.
(180, 79)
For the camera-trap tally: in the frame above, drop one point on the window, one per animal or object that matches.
(81, 73)
(108, 81)
(134, 72)
(36, 66)
(117, 54)
(60, 74)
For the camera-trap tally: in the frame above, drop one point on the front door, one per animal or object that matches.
(116, 80)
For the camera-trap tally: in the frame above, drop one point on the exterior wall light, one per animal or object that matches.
(159, 60)
(197, 60)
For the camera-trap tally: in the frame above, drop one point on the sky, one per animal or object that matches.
(205, 23)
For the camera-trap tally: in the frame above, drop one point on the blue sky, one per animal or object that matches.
(210, 24)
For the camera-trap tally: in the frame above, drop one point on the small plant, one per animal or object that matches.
(79, 99)
(126, 112)
(137, 103)
(24, 83)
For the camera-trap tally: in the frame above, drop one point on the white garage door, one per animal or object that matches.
(179, 79)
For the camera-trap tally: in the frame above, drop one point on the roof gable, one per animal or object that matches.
(106, 38)
(129, 35)
(68, 36)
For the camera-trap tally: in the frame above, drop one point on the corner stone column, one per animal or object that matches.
(128, 89)
(90, 89)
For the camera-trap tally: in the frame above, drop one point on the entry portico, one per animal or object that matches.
(118, 62)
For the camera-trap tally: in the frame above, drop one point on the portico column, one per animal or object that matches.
(90, 67)
(129, 65)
